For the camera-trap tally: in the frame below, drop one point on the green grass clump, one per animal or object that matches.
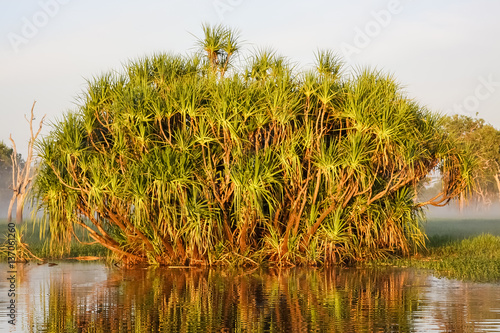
(474, 259)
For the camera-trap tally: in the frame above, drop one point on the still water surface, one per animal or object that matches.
(91, 297)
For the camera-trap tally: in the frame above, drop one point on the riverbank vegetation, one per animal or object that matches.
(201, 160)
(449, 252)
(473, 259)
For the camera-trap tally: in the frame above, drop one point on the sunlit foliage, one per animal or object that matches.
(483, 142)
(187, 159)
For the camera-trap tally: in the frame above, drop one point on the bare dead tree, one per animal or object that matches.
(21, 174)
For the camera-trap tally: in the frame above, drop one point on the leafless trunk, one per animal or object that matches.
(19, 210)
(11, 205)
(21, 177)
(497, 179)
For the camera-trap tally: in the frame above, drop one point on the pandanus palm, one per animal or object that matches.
(176, 160)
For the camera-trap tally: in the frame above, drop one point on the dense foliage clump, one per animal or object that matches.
(483, 141)
(191, 159)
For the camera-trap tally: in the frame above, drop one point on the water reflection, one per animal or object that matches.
(78, 297)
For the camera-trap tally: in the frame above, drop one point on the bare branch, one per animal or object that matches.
(21, 177)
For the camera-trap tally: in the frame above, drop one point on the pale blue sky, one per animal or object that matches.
(446, 54)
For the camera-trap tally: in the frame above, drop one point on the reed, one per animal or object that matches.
(193, 160)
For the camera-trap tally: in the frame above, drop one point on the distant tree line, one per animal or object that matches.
(5, 173)
(483, 142)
